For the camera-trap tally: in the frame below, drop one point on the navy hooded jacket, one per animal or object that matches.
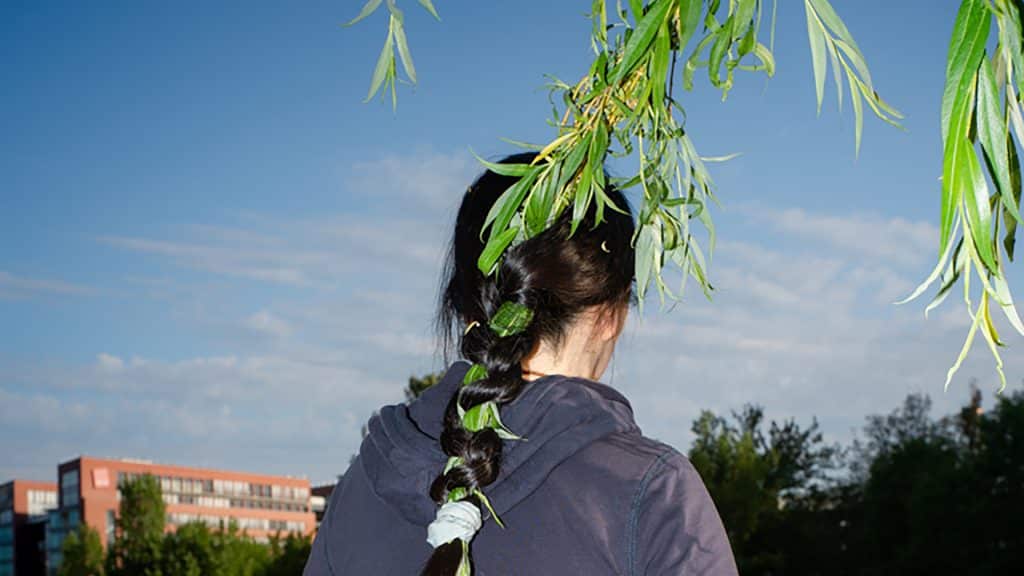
(584, 493)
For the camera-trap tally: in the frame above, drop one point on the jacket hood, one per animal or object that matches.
(557, 415)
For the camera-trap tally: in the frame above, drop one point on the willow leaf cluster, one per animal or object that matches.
(625, 106)
(385, 73)
(981, 110)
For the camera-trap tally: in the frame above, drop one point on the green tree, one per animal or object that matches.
(82, 553)
(189, 551)
(238, 554)
(754, 478)
(138, 540)
(418, 385)
(288, 555)
(996, 505)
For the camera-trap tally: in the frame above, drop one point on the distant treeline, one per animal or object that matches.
(913, 495)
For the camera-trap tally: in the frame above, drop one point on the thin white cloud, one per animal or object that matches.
(872, 236)
(426, 178)
(267, 324)
(17, 287)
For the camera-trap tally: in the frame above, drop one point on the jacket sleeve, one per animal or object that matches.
(319, 562)
(676, 527)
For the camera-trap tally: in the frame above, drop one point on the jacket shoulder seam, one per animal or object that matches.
(634, 513)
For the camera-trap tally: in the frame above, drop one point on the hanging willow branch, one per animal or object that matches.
(980, 102)
(625, 106)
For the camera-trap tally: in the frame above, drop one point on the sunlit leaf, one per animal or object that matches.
(494, 249)
(641, 38)
(403, 52)
(510, 319)
(966, 49)
(384, 62)
(430, 8)
(817, 41)
(476, 372)
(368, 8)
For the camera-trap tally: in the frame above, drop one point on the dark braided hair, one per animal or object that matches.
(554, 276)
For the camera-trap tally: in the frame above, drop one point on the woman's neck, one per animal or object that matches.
(574, 358)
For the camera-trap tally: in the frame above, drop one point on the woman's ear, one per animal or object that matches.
(612, 319)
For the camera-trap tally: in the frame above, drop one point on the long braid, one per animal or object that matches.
(476, 455)
(541, 286)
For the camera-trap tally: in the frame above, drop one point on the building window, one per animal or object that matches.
(69, 488)
(111, 526)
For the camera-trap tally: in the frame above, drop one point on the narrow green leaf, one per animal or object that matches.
(452, 462)
(937, 271)
(718, 51)
(641, 37)
(477, 418)
(689, 19)
(744, 29)
(384, 62)
(499, 427)
(465, 566)
(837, 76)
(858, 110)
(430, 8)
(963, 351)
(949, 278)
(573, 160)
(829, 17)
(540, 201)
(957, 148)
(487, 504)
(476, 372)
(1005, 301)
(855, 58)
(1011, 39)
(500, 214)
(988, 330)
(817, 40)
(515, 170)
(1011, 203)
(395, 11)
(967, 46)
(660, 62)
(510, 319)
(767, 59)
(637, 8)
(403, 52)
(581, 199)
(648, 255)
(992, 129)
(599, 15)
(979, 214)
(494, 249)
(368, 8)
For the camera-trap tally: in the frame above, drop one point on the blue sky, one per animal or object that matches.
(212, 253)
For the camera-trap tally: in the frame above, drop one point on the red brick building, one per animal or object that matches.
(23, 507)
(261, 505)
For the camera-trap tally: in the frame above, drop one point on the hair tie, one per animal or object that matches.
(454, 520)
